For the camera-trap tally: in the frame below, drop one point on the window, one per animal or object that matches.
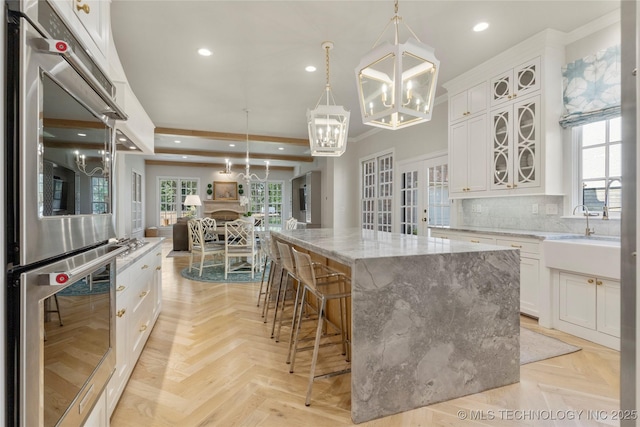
(136, 201)
(439, 195)
(99, 194)
(377, 192)
(173, 191)
(600, 159)
(272, 199)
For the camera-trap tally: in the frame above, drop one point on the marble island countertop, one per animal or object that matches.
(351, 244)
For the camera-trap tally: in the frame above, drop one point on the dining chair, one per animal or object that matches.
(240, 242)
(199, 245)
(291, 224)
(209, 228)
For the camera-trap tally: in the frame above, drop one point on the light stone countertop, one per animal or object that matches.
(532, 234)
(351, 244)
(123, 262)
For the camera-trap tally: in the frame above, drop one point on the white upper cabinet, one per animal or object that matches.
(90, 22)
(515, 137)
(516, 82)
(468, 103)
(519, 109)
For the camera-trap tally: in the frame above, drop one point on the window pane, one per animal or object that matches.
(615, 160)
(594, 133)
(593, 195)
(593, 164)
(615, 130)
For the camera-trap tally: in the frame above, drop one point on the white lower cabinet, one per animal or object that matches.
(138, 297)
(98, 416)
(589, 307)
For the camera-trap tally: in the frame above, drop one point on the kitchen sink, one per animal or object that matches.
(594, 255)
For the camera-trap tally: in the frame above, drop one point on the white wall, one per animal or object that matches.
(412, 142)
(205, 175)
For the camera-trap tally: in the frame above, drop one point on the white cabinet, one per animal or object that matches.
(589, 307)
(468, 102)
(90, 22)
(468, 155)
(515, 145)
(98, 416)
(516, 82)
(138, 302)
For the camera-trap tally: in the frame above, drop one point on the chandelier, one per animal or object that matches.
(227, 168)
(328, 123)
(397, 83)
(81, 164)
(247, 176)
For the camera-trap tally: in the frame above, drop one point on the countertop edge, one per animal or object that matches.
(125, 262)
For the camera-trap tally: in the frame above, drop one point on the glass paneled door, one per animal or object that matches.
(424, 195)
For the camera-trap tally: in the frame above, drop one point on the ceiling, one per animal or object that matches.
(260, 51)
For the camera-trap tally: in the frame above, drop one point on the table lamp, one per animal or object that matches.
(192, 200)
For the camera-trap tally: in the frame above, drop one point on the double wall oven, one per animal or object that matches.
(60, 251)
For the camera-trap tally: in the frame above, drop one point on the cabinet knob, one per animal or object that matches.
(509, 186)
(121, 312)
(475, 241)
(85, 8)
(598, 282)
(143, 328)
(159, 253)
(143, 294)
(515, 185)
(144, 267)
(516, 246)
(159, 267)
(509, 97)
(121, 288)
(590, 281)
(514, 95)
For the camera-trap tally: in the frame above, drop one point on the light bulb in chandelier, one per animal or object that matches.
(328, 124)
(81, 164)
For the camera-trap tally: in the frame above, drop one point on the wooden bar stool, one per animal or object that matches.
(336, 287)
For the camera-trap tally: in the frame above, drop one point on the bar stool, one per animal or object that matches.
(274, 257)
(336, 287)
(289, 268)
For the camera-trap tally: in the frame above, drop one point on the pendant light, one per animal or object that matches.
(397, 83)
(328, 123)
(247, 176)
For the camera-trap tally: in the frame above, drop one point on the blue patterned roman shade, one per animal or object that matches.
(592, 88)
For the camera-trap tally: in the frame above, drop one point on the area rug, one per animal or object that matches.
(216, 275)
(174, 254)
(535, 347)
(82, 288)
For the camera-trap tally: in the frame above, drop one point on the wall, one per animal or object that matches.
(412, 142)
(125, 164)
(205, 175)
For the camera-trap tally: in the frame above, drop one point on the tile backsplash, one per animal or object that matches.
(535, 213)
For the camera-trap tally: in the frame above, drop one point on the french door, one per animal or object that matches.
(423, 195)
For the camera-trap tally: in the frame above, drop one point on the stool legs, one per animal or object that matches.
(264, 269)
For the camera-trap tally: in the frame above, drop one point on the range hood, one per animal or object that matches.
(135, 134)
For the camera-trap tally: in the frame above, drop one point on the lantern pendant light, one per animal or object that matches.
(328, 123)
(397, 83)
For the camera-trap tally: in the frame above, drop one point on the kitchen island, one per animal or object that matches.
(431, 319)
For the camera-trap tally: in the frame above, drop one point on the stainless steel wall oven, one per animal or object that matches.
(60, 116)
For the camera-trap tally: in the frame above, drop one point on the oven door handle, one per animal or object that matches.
(60, 47)
(63, 277)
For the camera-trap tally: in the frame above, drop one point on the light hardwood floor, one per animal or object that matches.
(210, 361)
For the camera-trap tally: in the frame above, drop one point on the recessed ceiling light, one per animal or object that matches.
(82, 134)
(310, 68)
(177, 141)
(133, 147)
(280, 148)
(204, 52)
(481, 26)
(232, 145)
(122, 139)
(184, 157)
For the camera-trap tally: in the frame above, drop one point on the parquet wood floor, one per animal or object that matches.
(210, 361)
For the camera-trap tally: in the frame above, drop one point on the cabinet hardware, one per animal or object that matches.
(121, 312)
(144, 267)
(444, 237)
(515, 185)
(160, 268)
(590, 281)
(514, 95)
(159, 253)
(143, 328)
(475, 241)
(633, 254)
(508, 185)
(143, 294)
(85, 8)
(516, 246)
(634, 72)
(121, 288)
(598, 282)
(509, 97)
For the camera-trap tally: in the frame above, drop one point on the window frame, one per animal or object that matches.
(178, 212)
(371, 203)
(136, 201)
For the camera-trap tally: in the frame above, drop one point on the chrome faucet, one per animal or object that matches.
(588, 231)
(606, 207)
